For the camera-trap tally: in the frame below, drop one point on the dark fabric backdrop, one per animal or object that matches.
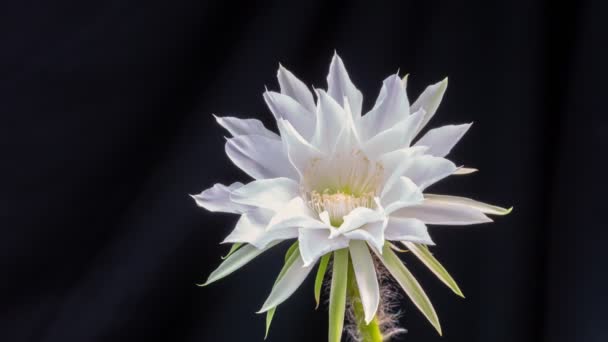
(106, 128)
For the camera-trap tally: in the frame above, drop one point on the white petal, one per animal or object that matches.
(237, 260)
(433, 212)
(315, 243)
(296, 214)
(300, 151)
(429, 100)
(271, 193)
(407, 229)
(357, 218)
(367, 281)
(391, 107)
(330, 119)
(284, 107)
(251, 228)
(371, 232)
(402, 194)
(293, 87)
(348, 139)
(342, 89)
(397, 137)
(287, 285)
(217, 199)
(238, 126)
(441, 140)
(260, 156)
(427, 170)
(396, 162)
(483, 207)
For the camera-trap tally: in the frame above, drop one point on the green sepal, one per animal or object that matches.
(320, 277)
(337, 296)
(233, 249)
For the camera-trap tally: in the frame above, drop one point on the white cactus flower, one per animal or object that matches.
(337, 180)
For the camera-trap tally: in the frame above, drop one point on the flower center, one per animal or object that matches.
(341, 183)
(338, 204)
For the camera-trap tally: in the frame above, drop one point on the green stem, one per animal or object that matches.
(368, 332)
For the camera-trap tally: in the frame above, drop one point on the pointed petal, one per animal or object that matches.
(251, 228)
(483, 207)
(284, 107)
(367, 281)
(397, 137)
(330, 119)
(260, 157)
(286, 285)
(237, 260)
(315, 243)
(391, 107)
(435, 212)
(337, 295)
(238, 127)
(410, 285)
(271, 193)
(402, 194)
(217, 199)
(407, 229)
(300, 151)
(427, 258)
(342, 89)
(429, 100)
(289, 260)
(441, 140)
(235, 247)
(296, 89)
(465, 171)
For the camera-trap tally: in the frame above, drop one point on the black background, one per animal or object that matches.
(106, 127)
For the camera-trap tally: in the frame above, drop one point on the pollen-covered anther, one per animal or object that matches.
(338, 204)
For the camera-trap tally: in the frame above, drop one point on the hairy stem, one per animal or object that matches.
(367, 332)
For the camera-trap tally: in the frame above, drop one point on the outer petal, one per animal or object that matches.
(315, 243)
(371, 232)
(396, 162)
(397, 137)
(260, 157)
(407, 229)
(391, 107)
(284, 107)
(367, 281)
(483, 207)
(427, 170)
(217, 199)
(402, 194)
(441, 140)
(429, 100)
(251, 228)
(357, 218)
(434, 212)
(330, 119)
(287, 285)
(296, 89)
(271, 193)
(342, 89)
(300, 151)
(238, 127)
